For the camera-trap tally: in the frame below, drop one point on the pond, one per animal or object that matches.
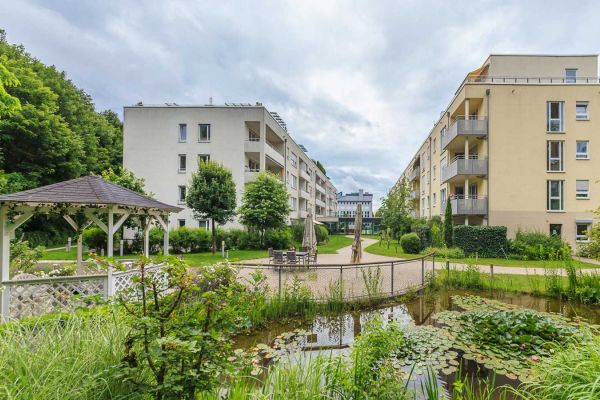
(335, 334)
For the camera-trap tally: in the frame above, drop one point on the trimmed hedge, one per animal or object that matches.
(485, 241)
(410, 243)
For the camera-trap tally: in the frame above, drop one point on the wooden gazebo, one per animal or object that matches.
(81, 202)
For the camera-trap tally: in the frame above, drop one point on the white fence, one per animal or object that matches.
(32, 297)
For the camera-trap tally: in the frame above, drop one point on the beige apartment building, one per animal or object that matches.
(519, 146)
(164, 143)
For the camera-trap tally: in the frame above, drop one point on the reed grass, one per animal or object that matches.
(62, 357)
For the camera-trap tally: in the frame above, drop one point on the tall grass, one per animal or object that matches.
(62, 357)
(571, 374)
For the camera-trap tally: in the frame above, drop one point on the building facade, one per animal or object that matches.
(517, 146)
(348, 202)
(164, 143)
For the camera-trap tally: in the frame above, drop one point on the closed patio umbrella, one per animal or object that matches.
(309, 239)
(356, 245)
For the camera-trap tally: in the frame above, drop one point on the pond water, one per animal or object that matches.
(335, 334)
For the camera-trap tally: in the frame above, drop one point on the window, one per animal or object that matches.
(443, 197)
(582, 189)
(570, 75)
(204, 132)
(182, 162)
(252, 166)
(581, 230)
(555, 156)
(434, 168)
(181, 222)
(182, 132)
(293, 203)
(203, 158)
(555, 117)
(203, 223)
(555, 196)
(556, 230)
(182, 192)
(581, 111)
(434, 199)
(582, 150)
(294, 182)
(434, 146)
(293, 159)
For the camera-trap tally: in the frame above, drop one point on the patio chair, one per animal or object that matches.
(312, 258)
(304, 249)
(278, 257)
(291, 257)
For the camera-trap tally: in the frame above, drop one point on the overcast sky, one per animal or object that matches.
(360, 84)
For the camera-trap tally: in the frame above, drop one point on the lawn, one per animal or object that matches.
(380, 248)
(334, 243)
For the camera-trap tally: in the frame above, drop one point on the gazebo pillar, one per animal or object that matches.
(147, 236)
(4, 261)
(110, 232)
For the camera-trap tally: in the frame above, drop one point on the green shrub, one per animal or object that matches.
(538, 246)
(181, 239)
(485, 241)
(249, 241)
(322, 234)
(410, 243)
(94, 238)
(423, 231)
(297, 231)
(24, 258)
(437, 236)
(444, 252)
(278, 238)
(233, 238)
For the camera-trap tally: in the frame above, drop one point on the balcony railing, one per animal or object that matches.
(535, 80)
(465, 166)
(469, 205)
(414, 195)
(414, 174)
(465, 127)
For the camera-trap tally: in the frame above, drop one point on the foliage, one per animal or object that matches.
(538, 246)
(443, 252)
(322, 234)
(373, 282)
(63, 356)
(485, 241)
(571, 374)
(591, 249)
(94, 238)
(212, 195)
(178, 326)
(13, 182)
(278, 238)
(125, 178)
(8, 104)
(437, 236)
(264, 204)
(297, 228)
(23, 258)
(410, 243)
(423, 231)
(396, 208)
(56, 134)
(320, 166)
(448, 224)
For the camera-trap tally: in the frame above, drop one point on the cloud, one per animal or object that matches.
(360, 84)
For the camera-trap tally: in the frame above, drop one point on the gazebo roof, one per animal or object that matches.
(87, 190)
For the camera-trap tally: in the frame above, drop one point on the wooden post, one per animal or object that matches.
(4, 263)
(110, 233)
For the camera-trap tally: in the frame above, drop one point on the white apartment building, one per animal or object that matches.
(348, 202)
(163, 144)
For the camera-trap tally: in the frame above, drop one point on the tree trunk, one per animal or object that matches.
(214, 237)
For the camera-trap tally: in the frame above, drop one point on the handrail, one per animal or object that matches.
(337, 266)
(531, 79)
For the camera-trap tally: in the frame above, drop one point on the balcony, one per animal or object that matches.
(305, 175)
(320, 202)
(303, 214)
(273, 154)
(320, 188)
(305, 195)
(464, 128)
(465, 167)
(414, 195)
(250, 175)
(470, 205)
(414, 174)
(252, 145)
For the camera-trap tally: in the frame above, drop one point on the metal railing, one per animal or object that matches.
(345, 281)
(462, 165)
(469, 205)
(414, 174)
(471, 126)
(532, 80)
